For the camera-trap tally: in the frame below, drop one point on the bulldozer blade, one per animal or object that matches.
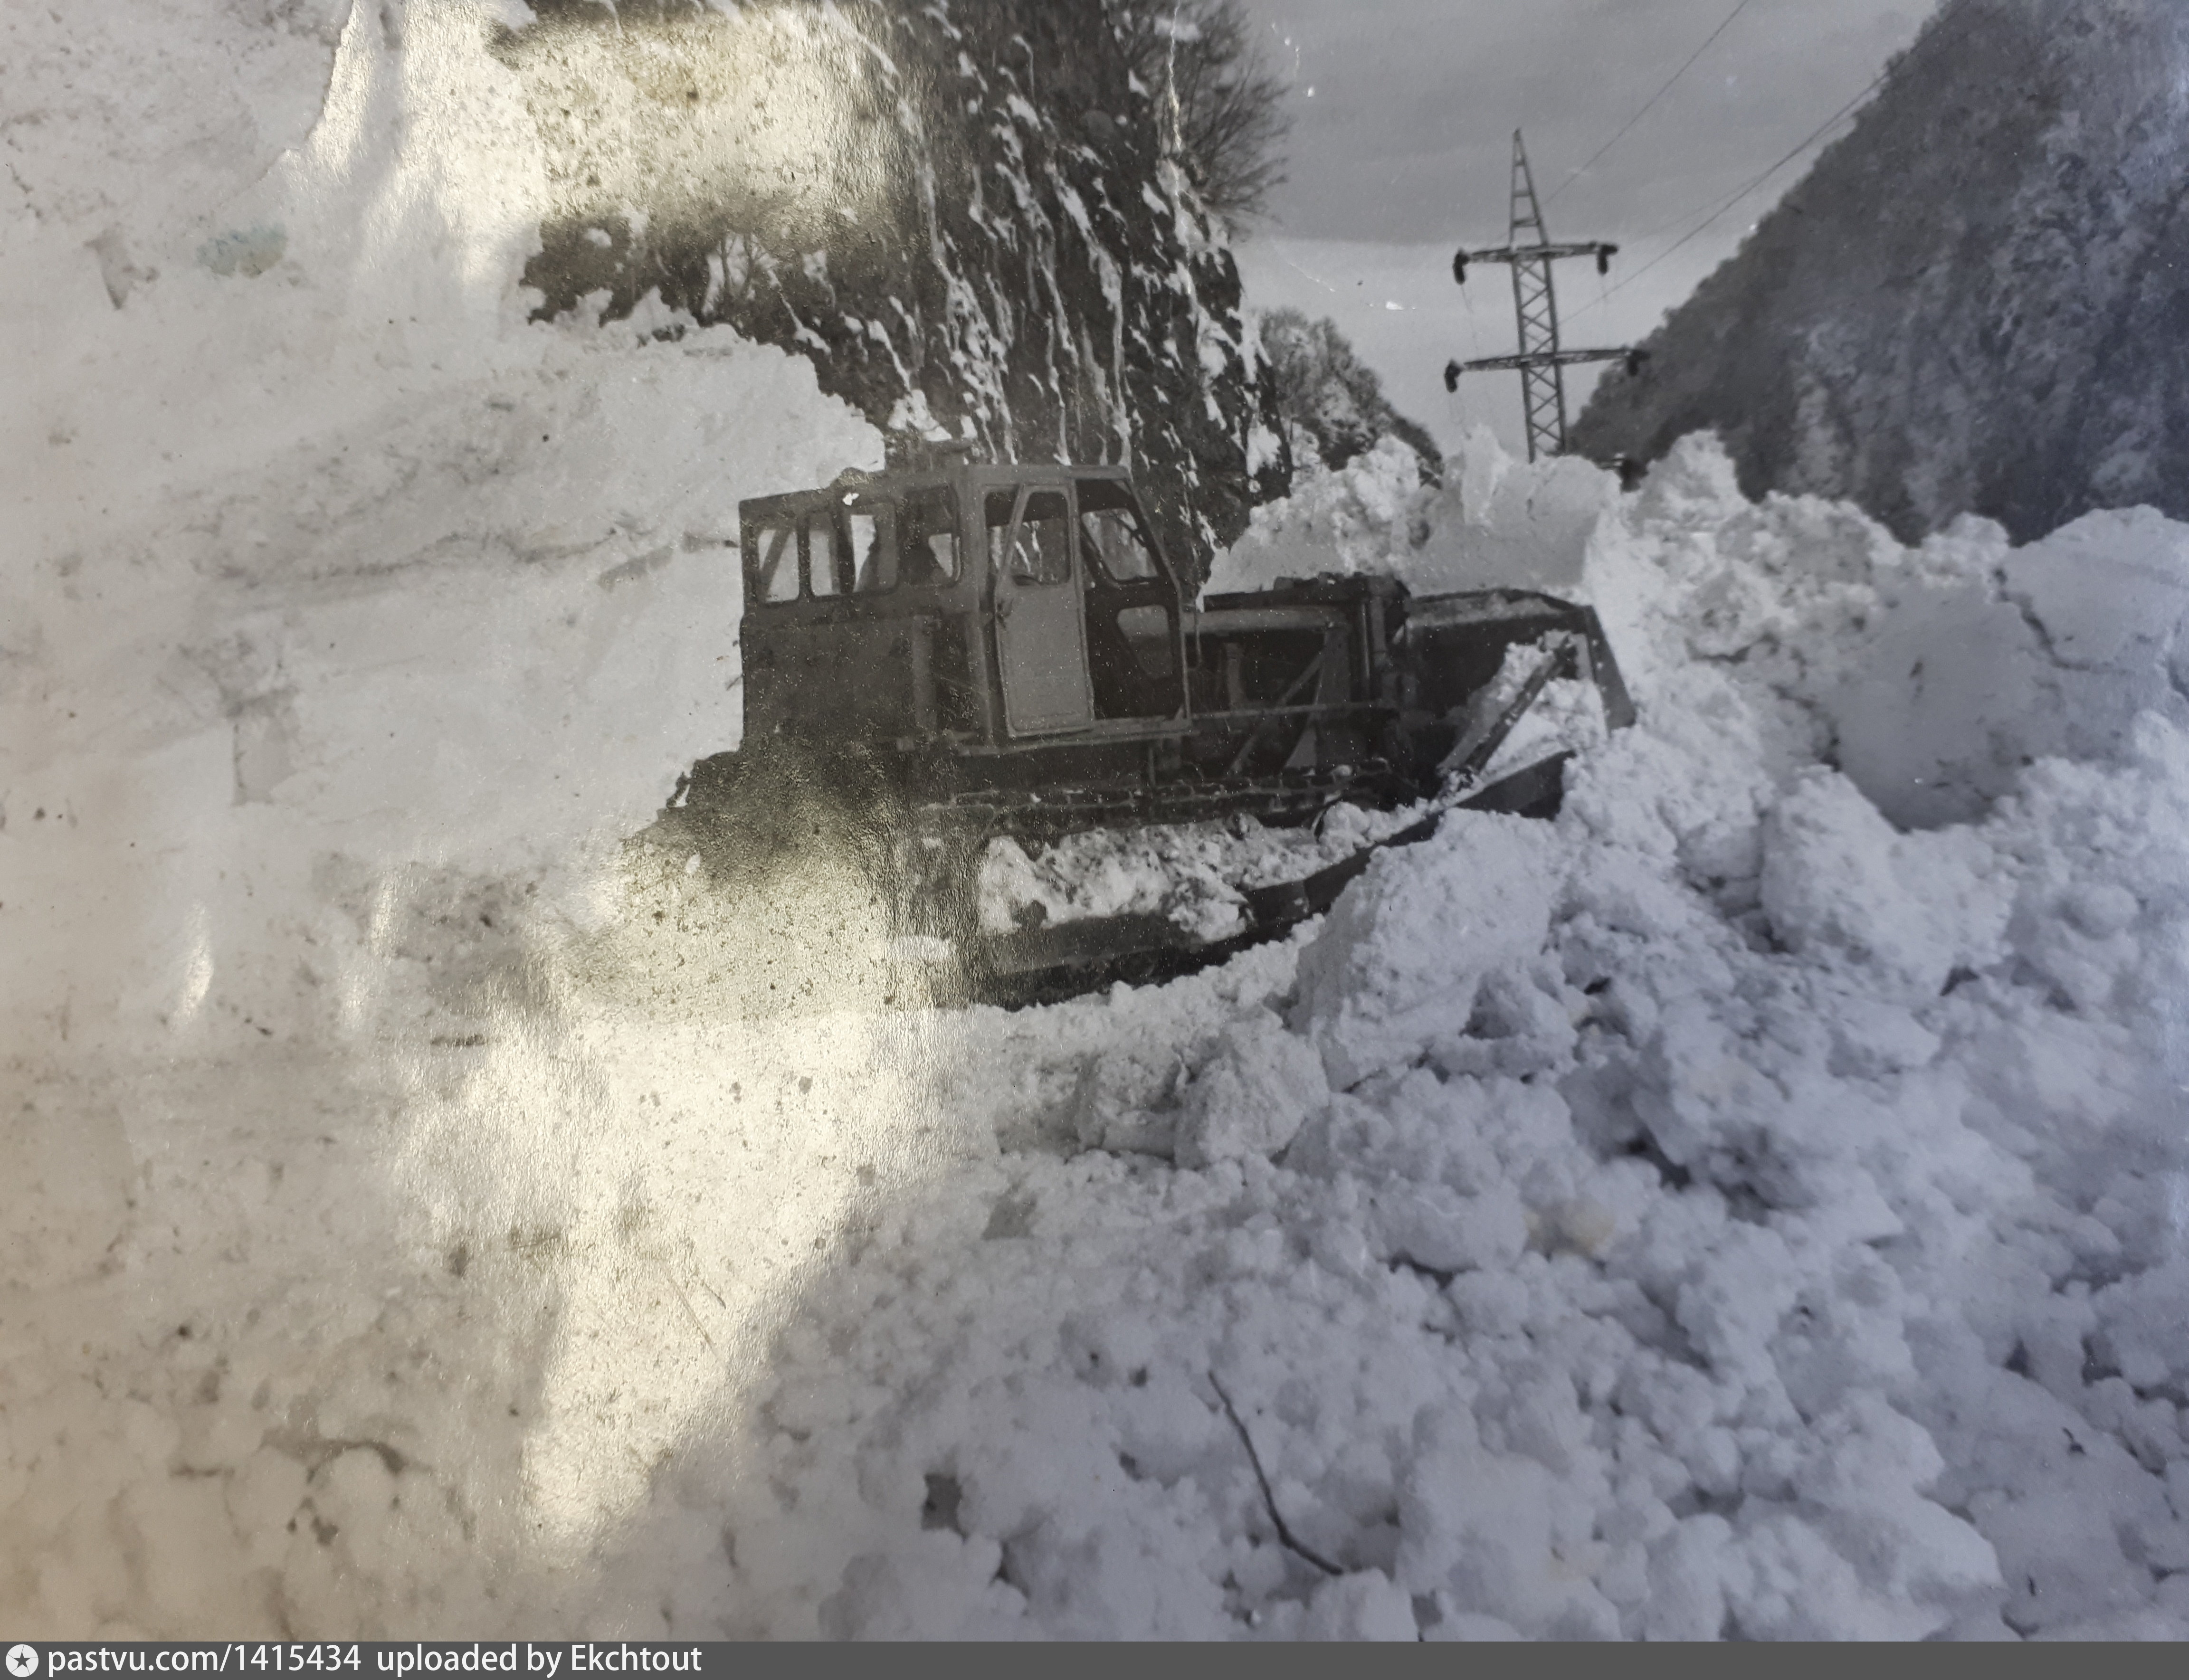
(1063, 960)
(1076, 944)
(1533, 792)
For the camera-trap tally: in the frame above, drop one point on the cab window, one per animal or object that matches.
(1037, 549)
(775, 569)
(1110, 531)
(873, 548)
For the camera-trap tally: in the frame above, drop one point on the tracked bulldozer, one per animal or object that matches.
(936, 660)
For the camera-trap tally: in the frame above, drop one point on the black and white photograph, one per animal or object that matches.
(1097, 820)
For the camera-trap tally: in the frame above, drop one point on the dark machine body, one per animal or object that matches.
(933, 658)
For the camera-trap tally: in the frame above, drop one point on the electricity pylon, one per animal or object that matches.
(1542, 361)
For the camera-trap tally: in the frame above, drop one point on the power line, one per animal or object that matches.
(1757, 180)
(1652, 102)
(1709, 221)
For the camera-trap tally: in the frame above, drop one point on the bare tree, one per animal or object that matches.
(1219, 106)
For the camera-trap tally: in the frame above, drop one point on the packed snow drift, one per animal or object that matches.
(1750, 1205)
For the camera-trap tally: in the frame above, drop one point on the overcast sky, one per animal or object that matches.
(1403, 114)
(1403, 110)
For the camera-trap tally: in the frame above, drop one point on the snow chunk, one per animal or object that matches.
(1498, 1535)
(1399, 960)
(1369, 1605)
(1985, 659)
(1837, 882)
(1253, 1094)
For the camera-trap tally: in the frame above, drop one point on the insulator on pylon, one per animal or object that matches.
(1451, 375)
(1459, 268)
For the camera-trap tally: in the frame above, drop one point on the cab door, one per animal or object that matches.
(1041, 633)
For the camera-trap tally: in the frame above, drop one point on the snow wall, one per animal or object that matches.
(323, 564)
(1752, 1204)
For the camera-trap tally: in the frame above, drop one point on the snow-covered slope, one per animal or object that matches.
(1332, 402)
(1719, 1211)
(1971, 303)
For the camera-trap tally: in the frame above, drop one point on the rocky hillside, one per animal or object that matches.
(964, 216)
(1332, 402)
(1975, 302)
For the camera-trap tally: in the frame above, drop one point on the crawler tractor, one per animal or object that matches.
(935, 659)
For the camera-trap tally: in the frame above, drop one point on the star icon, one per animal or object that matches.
(22, 1661)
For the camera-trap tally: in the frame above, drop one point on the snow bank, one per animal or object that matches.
(346, 619)
(338, 588)
(1496, 522)
(1940, 672)
(1753, 1204)
(1722, 1213)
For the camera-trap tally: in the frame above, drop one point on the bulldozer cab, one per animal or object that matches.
(977, 609)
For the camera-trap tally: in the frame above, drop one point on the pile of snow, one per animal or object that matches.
(1752, 1204)
(1719, 1212)
(1494, 523)
(1194, 875)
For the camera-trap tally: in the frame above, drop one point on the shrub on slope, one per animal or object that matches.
(1332, 401)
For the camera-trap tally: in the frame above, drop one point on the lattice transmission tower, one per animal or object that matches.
(1542, 360)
